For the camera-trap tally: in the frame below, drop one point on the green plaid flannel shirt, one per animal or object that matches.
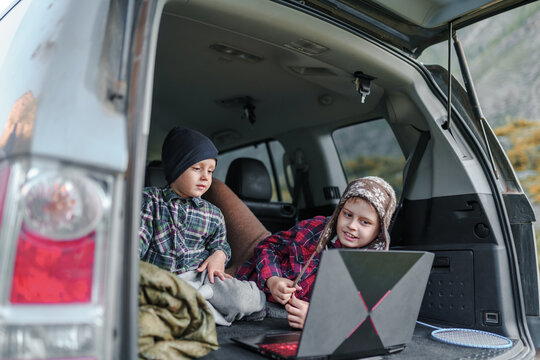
(178, 234)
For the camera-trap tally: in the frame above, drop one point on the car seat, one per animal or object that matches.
(155, 175)
(250, 181)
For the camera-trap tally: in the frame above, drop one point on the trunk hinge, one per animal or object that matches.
(471, 91)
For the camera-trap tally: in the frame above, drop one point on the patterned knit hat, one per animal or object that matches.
(378, 193)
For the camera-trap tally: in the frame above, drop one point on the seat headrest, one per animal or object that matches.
(155, 175)
(249, 179)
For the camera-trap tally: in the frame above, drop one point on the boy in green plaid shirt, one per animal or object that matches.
(185, 234)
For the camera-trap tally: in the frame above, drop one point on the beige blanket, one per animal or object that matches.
(174, 320)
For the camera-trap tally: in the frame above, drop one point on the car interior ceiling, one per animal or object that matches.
(289, 90)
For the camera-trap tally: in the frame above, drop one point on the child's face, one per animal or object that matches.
(196, 180)
(357, 224)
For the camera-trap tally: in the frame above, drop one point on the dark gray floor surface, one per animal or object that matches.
(421, 347)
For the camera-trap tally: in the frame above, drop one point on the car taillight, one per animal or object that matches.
(49, 271)
(55, 261)
(55, 249)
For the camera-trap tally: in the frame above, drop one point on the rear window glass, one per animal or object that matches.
(370, 148)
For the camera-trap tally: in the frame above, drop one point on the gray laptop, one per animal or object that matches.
(364, 303)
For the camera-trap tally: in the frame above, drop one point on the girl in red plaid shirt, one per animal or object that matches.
(360, 220)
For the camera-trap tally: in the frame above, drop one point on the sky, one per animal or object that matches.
(4, 4)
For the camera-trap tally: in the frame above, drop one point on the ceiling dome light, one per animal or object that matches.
(307, 47)
(236, 53)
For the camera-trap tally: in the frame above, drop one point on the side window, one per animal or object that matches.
(271, 154)
(370, 148)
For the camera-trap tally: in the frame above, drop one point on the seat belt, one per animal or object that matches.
(417, 155)
(301, 183)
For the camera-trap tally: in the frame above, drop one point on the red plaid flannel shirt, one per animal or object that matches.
(284, 254)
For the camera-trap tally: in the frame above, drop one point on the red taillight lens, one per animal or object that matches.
(50, 271)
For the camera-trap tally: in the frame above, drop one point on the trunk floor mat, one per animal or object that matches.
(422, 346)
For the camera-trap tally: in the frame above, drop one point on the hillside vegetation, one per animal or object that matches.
(522, 139)
(502, 53)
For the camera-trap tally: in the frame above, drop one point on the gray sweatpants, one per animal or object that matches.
(229, 299)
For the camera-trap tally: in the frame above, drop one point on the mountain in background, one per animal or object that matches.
(503, 54)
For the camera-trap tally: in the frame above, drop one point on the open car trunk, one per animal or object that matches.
(243, 73)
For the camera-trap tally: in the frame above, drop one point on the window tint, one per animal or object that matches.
(370, 148)
(271, 154)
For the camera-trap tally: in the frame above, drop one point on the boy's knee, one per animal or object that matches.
(235, 296)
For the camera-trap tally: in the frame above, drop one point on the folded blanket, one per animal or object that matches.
(174, 320)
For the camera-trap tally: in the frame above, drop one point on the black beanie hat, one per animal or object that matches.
(182, 148)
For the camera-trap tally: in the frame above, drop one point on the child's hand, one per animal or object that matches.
(215, 264)
(281, 288)
(297, 310)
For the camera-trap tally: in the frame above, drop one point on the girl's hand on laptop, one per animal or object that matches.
(297, 310)
(281, 288)
(215, 264)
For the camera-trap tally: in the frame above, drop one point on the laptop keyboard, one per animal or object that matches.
(284, 349)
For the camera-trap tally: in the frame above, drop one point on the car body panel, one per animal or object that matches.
(38, 116)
